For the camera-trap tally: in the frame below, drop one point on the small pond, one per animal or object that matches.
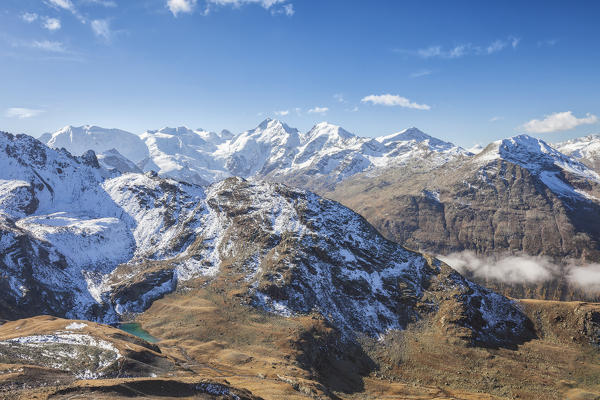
(135, 329)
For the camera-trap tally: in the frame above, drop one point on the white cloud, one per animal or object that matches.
(353, 109)
(48, 45)
(514, 42)
(67, 5)
(496, 118)
(464, 49)
(421, 73)
(181, 6)
(64, 4)
(52, 24)
(274, 6)
(288, 10)
(511, 269)
(318, 110)
(587, 277)
(103, 3)
(525, 270)
(238, 3)
(560, 121)
(282, 113)
(393, 100)
(101, 28)
(29, 17)
(22, 113)
(433, 51)
(496, 46)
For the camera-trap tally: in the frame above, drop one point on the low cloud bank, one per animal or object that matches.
(524, 270)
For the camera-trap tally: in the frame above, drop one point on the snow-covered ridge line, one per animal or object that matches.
(543, 161)
(271, 150)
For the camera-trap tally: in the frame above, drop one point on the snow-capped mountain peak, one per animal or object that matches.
(332, 133)
(541, 159)
(271, 150)
(269, 130)
(531, 153)
(79, 139)
(585, 149)
(416, 137)
(271, 145)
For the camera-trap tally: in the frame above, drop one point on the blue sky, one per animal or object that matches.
(468, 72)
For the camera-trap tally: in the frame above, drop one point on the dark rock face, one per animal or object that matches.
(498, 208)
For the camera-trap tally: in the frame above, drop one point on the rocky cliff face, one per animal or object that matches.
(517, 196)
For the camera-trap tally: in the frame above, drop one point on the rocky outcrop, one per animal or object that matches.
(489, 206)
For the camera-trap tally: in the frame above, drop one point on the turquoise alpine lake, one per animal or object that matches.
(135, 329)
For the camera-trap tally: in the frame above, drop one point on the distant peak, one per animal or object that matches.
(265, 123)
(272, 123)
(327, 129)
(410, 134)
(180, 130)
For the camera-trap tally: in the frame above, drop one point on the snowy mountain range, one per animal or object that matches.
(585, 149)
(362, 172)
(272, 150)
(84, 242)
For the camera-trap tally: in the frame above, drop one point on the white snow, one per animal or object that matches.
(78, 140)
(585, 148)
(541, 160)
(76, 326)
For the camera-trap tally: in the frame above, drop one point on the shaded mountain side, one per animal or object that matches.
(499, 208)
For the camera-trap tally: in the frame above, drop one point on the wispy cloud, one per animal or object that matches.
(103, 3)
(52, 24)
(101, 28)
(68, 6)
(496, 118)
(318, 110)
(560, 121)
(288, 9)
(22, 112)
(464, 49)
(547, 43)
(29, 17)
(496, 46)
(511, 269)
(392, 100)
(419, 74)
(48, 45)
(64, 4)
(282, 113)
(525, 270)
(181, 6)
(275, 7)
